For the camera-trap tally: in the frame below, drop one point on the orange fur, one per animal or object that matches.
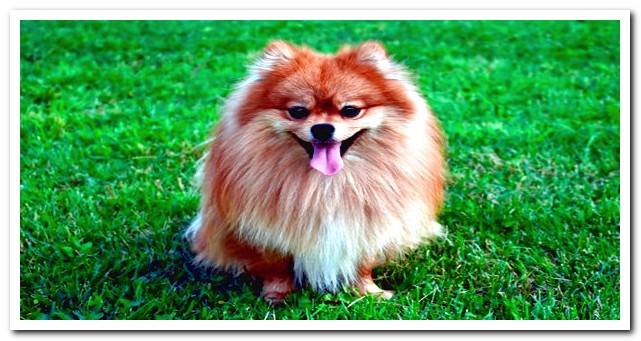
(266, 211)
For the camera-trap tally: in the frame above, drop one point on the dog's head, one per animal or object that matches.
(322, 103)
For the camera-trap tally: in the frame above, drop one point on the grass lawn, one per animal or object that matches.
(113, 114)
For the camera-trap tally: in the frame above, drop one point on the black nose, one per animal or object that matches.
(323, 132)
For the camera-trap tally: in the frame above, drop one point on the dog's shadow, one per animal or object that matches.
(180, 269)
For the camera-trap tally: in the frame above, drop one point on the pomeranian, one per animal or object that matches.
(321, 168)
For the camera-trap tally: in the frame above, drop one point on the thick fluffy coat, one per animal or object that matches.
(266, 209)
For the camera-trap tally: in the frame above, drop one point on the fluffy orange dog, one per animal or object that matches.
(322, 167)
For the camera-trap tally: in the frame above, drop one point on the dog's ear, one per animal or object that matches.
(371, 52)
(278, 52)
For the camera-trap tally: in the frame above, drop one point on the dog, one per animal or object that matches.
(321, 168)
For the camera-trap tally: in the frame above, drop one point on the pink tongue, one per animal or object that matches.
(327, 158)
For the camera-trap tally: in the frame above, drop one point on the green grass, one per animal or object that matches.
(112, 115)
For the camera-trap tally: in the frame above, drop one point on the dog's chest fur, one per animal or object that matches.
(335, 225)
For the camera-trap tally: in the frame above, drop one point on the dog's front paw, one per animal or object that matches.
(275, 290)
(366, 286)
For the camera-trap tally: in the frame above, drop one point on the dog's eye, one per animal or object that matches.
(298, 112)
(350, 111)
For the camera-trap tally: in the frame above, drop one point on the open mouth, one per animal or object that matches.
(345, 144)
(327, 157)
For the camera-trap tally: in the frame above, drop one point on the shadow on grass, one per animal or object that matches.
(179, 268)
